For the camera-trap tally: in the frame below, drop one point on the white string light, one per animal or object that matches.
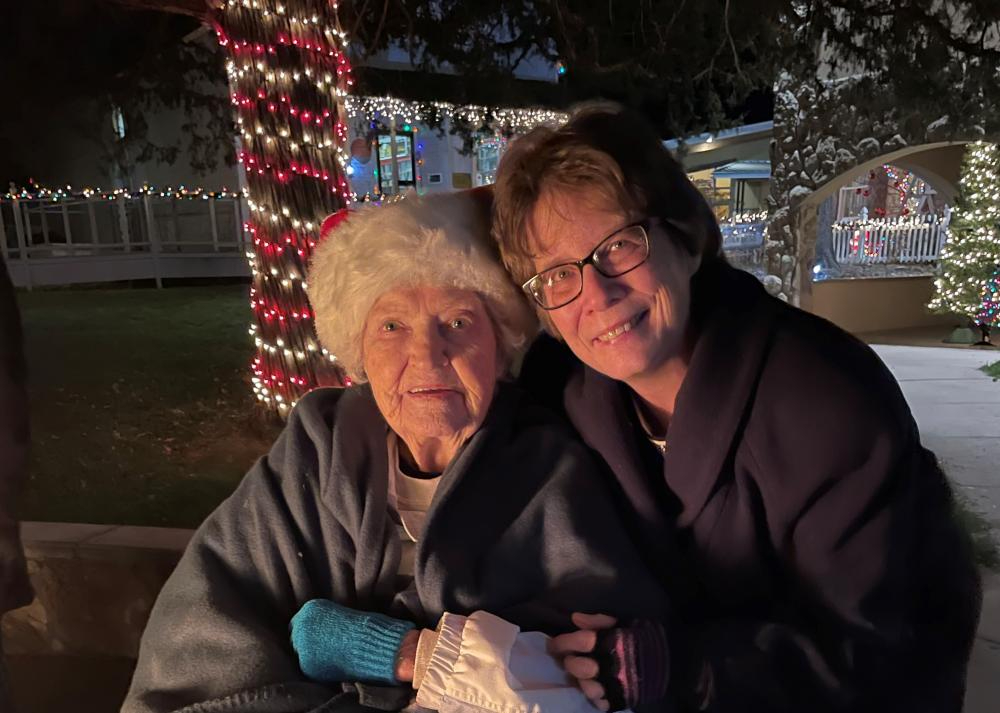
(412, 112)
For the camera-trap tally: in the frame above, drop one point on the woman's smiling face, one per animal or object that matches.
(624, 327)
(430, 354)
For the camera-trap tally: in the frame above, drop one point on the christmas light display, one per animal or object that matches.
(36, 192)
(501, 120)
(288, 76)
(754, 216)
(972, 250)
(885, 237)
(908, 188)
(989, 310)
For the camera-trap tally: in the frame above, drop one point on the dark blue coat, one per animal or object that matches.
(805, 533)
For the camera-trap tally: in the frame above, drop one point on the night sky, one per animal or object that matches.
(57, 53)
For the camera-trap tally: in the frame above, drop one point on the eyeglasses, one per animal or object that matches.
(621, 252)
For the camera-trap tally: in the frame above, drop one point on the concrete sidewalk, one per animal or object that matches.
(982, 693)
(957, 408)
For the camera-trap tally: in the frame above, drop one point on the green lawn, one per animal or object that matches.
(142, 411)
(993, 369)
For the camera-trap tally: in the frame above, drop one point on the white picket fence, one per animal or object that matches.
(889, 242)
(79, 239)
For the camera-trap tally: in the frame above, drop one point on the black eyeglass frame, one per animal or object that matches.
(591, 259)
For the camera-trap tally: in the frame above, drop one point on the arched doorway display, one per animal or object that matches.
(886, 220)
(868, 238)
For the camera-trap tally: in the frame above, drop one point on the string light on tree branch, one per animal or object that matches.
(288, 74)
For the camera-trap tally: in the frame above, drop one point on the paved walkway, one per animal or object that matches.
(957, 408)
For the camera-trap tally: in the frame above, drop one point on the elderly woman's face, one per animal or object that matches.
(627, 326)
(430, 354)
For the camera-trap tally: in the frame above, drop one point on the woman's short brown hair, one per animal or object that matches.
(614, 152)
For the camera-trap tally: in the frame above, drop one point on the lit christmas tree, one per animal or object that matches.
(288, 76)
(972, 251)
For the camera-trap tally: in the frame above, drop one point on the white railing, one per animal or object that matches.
(889, 241)
(743, 241)
(83, 239)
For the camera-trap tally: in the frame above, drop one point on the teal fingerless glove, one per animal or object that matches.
(336, 644)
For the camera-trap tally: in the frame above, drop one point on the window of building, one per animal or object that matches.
(488, 153)
(404, 160)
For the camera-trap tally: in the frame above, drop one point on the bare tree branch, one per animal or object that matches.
(729, 36)
(358, 19)
(378, 30)
(199, 9)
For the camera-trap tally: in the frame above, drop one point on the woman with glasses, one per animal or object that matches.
(773, 468)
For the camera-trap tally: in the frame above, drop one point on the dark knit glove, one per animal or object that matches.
(633, 664)
(337, 644)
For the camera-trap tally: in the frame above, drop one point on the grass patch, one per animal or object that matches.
(993, 370)
(142, 411)
(984, 546)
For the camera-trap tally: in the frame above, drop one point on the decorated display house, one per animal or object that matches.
(396, 146)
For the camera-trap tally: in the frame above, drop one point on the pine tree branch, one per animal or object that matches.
(937, 23)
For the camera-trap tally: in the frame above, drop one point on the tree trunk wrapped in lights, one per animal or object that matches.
(969, 258)
(288, 74)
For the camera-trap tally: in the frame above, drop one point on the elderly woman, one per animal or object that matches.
(436, 486)
(763, 451)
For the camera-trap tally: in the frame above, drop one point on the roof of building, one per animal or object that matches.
(737, 133)
(744, 170)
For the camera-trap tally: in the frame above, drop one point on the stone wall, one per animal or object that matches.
(94, 588)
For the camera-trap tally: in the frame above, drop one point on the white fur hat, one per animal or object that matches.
(438, 240)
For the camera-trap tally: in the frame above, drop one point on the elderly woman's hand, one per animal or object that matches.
(335, 643)
(406, 657)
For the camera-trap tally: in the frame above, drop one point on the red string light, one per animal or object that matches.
(285, 173)
(283, 105)
(259, 49)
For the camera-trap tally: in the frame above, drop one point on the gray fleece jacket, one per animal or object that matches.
(523, 525)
